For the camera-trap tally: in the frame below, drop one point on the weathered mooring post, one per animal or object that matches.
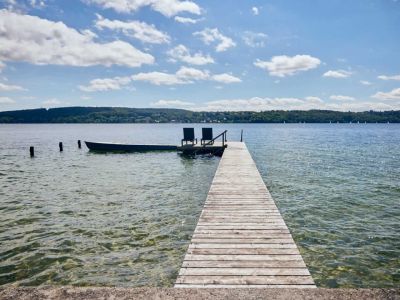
(79, 144)
(241, 136)
(60, 145)
(32, 151)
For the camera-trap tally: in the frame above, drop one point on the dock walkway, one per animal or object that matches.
(241, 239)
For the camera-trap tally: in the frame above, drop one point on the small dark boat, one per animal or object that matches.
(107, 147)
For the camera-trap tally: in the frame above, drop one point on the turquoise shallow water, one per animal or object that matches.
(126, 219)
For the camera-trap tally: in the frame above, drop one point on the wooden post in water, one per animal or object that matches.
(32, 151)
(241, 136)
(60, 145)
(79, 144)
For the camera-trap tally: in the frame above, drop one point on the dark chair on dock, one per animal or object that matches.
(207, 135)
(188, 136)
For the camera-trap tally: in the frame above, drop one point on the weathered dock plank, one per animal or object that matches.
(244, 264)
(242, 246)
(244, 279)
(265, 240)
(241, 239)
(245, 251)
(244, 271)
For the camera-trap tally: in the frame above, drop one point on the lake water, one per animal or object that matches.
(83, 218)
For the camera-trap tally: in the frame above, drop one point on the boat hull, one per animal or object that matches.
(112, 147)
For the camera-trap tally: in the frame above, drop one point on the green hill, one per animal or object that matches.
(163, 115)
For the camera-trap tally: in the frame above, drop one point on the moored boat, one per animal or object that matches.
(109, 147)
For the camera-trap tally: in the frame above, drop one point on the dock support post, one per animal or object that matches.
(79, 144)
(60, 145)
(241, 136)
(32, 151)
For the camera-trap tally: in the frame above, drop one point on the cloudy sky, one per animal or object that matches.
(200, 55)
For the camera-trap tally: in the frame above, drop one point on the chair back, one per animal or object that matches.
(207, 134)
(188, 134)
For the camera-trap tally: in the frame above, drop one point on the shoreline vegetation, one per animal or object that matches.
(166, 115)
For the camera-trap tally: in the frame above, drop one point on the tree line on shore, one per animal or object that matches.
(164, 115)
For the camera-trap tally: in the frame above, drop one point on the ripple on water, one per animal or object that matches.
(340, 204)
(82, 218)
(103, 220)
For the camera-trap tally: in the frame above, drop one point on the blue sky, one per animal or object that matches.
(201, 55)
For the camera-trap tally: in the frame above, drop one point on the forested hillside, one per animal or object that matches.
(162, 115)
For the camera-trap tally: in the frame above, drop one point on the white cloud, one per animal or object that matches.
(186, 20)
(9, 88)
(209, 36)
(226, 78)
(136, 29)
(255, 10)
(392, 95)
(41, 42)
(86, 97)
(171, 103)
(189, 74)
(37, 4)
(313, 99)
(337, 74)
(168, 8)
(360, 106)
(255, 104)
(341, 98)
(254, 39)
(10, 2)
(365, 82)
(283, 65)
(385, 77)
(28, 98)
(53, 102)
(6, 100)
(23, 6)
(105, 84)
(2, 66)
(265, 104)
(181, 53)
(184, 75)
(13, 5)
(159, 78)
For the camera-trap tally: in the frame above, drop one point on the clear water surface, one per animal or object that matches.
(83, 218)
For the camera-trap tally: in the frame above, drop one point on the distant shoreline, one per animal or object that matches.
(117, 115)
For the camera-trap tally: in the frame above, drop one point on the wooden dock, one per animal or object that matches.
(216, 148)
(241, 239)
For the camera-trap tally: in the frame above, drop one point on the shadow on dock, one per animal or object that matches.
(216, 149)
